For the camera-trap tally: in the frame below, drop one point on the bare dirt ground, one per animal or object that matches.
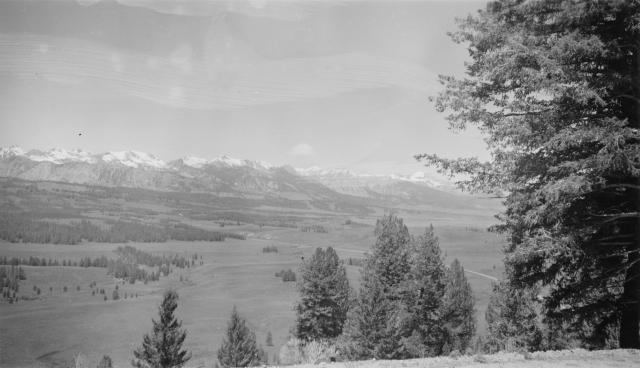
(619, 358)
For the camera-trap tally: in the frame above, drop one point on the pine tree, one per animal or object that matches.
(324, 297)
(377, 321)
(390, 259)
(458, 310)
(555, 86)
(368, 332)
(163, 347)
(512, 319)
(239, 347)
(423, 296)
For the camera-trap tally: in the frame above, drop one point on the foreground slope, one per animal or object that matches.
(620, 358)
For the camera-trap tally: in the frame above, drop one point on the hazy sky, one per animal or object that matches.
(332, 84)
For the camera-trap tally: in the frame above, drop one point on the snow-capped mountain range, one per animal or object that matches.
(222, 175)
(135, 159)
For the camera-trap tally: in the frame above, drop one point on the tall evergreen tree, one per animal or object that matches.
(163, 347)
(239, 347)
(458, 309)
(324, 297)
(424, 293)
(375, 327)
(555, 86)
(390, 261)
(368, 332)
(512, 320)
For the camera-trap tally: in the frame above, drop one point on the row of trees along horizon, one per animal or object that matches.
(20, 228)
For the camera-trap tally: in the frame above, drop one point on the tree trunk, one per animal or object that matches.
(630, 319)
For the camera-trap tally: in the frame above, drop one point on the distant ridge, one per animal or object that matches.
(224, 176)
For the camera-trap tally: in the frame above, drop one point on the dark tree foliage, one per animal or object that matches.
(409, 305)
(287, 275)
(458, 309)
(369, 329)
(390, 258)
(555, 86)
(269, 340)
(239, 347)
(22, 227)
(105, 362)
(10, 278)
(163, 347)
(424, 291)
(373, 328)
(324, 297)
(512, 321)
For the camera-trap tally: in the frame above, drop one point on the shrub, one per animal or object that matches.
(105, 362)
(291, 352)
(296, 351)
(479, 358)
(315, 352)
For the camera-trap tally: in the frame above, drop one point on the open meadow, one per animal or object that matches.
(50, 328)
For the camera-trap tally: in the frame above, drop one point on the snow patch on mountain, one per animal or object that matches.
(195, 162)
(345, 174)
(225, 161)
(11, 151)
(134, 159)
(59, 156)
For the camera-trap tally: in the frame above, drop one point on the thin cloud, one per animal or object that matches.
(205, 85)
(302, 149)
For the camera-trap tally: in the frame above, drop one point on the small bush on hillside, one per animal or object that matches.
(313, 229)
(296, 351)
(105, 362)
(270, 249)
(291, 352)
(287, 275)
(479, 358)
(315, 352)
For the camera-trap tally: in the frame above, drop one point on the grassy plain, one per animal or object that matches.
(51, 328)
